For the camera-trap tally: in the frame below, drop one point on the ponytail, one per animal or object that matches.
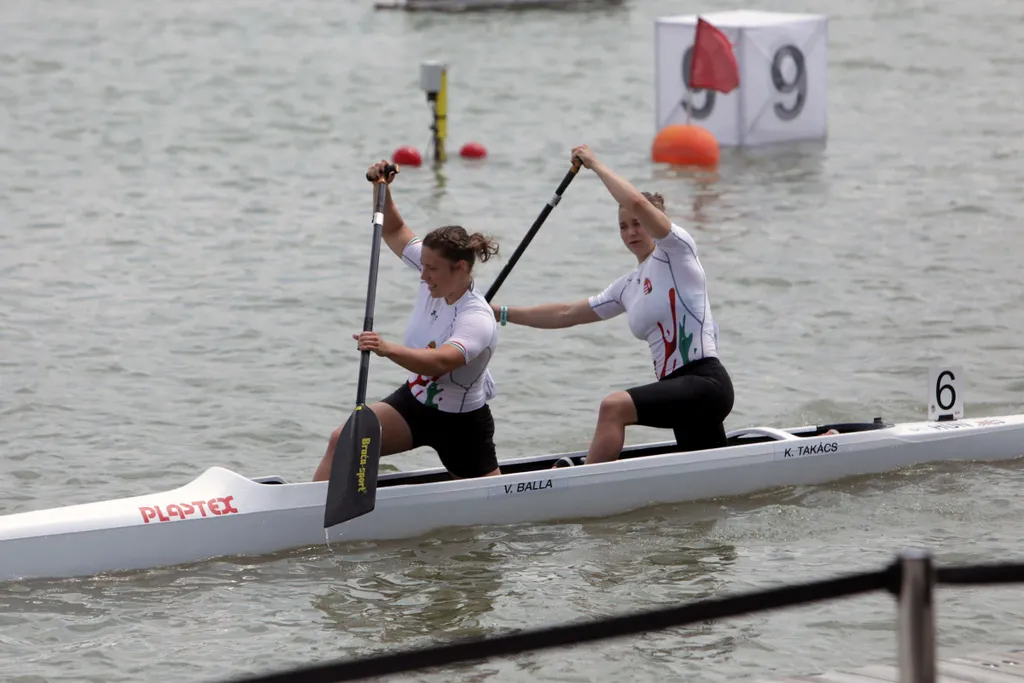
(483, 247)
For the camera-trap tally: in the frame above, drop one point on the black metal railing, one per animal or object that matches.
(911, 578)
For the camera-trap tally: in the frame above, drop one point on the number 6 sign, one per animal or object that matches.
(945, 399)
(782, 60)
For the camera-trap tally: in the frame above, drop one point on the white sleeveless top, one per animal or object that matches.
(469, 326)
(666, 299)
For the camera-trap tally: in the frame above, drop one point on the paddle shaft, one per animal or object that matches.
(552, 203)
(380, 197)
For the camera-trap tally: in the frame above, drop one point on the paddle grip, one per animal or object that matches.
(390, 171)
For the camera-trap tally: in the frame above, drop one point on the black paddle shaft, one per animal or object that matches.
(552, 203)
(380, 196)
(352, 487)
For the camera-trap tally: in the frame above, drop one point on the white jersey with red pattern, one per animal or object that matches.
(469, 326)
(666, 299)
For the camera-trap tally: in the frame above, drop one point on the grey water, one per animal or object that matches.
(184, 235)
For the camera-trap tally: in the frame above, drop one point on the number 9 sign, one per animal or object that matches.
(784, 81)
(783, 65)
(797, 82)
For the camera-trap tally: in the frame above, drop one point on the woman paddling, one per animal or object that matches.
(449, 341)
(666, 300)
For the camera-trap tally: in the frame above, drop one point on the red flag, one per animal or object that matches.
(713, 64)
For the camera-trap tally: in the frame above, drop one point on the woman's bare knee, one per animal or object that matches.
(617, 408)
(396, 437)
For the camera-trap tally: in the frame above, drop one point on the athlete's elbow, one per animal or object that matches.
(637, 204)
(442, 366)
(435, 369)
(569, 317)
(449, 367)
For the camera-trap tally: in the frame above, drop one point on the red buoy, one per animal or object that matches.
(407, 156)
(473, 150)
(684, 145)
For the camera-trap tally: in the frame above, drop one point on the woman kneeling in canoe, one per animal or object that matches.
(449, 341)
(666, 300)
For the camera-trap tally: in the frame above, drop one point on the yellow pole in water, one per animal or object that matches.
(441, 118)
(434, 81)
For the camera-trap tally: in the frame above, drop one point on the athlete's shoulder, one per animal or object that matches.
(616, 287)
(677, 240)
(412, 252)
(682, 233)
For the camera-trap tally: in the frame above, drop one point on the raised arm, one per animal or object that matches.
(550, 316)
(652, 219)
(396, 233)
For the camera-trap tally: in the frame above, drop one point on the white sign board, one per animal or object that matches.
(945, 398)
(783, 63)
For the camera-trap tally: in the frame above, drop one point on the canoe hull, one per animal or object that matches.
(222, 513)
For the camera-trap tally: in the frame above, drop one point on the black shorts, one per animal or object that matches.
(693, 402)
(463, 441)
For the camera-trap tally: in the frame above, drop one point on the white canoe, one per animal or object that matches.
(221, 513)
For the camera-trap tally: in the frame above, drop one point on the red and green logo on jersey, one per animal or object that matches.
(429, 384)
(673, 342)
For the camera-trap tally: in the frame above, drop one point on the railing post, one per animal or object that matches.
(916, 618)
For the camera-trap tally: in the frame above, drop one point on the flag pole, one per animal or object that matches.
(689, 76)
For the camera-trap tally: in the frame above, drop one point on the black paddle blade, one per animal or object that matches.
(352, 489)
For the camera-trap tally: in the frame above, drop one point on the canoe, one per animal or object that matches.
(222, 513)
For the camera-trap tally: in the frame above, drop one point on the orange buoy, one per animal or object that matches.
(407, 156)
(685, 145)
(473, 150)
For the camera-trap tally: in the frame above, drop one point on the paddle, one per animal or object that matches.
(352, 488)
(552, 203)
